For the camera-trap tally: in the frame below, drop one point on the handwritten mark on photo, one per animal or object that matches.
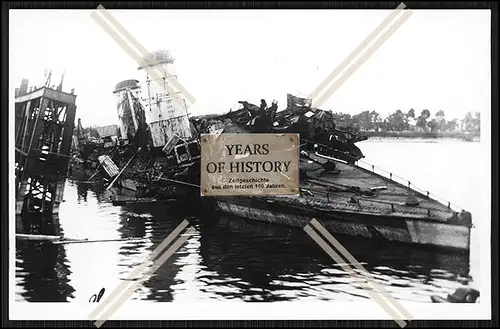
(95, 298)
(126, 289)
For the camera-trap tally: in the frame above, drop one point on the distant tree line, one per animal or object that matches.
(371, 121)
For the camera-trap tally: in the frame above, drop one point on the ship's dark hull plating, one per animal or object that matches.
(350, 200)
(379, 227)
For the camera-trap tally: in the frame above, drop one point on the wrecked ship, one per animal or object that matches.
(155, 146)
(345, 197)
(156, 155)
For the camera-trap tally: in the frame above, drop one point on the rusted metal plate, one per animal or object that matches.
(250, 164)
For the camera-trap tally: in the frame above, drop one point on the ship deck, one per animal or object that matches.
(337, 191)
(353, 189)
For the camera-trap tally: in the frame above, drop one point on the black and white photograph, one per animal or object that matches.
(182, 164)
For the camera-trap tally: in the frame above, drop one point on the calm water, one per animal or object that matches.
(230, 258)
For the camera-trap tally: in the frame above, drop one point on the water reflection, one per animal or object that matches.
(262, 262)
(43, 267)
(228, 258)
(154, 223)
(82, 190)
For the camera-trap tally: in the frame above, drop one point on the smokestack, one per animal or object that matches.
(127, 118)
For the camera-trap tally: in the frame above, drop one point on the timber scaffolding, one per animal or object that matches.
(44, 123)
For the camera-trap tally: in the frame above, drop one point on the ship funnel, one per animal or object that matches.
(166, 114)
(130, 113)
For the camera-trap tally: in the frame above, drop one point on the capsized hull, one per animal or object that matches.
(379, 227)
(346, 198)
(343, 199)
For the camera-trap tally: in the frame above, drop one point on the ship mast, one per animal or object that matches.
(62, 79)
(48, 77)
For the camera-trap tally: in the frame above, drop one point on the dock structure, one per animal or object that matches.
(44, 123)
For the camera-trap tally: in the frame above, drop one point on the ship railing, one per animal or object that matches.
(395, 178)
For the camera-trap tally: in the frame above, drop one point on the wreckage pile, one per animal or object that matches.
(317, 128)
(137, 169)
(134, 172)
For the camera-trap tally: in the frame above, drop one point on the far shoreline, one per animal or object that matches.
(464, 136)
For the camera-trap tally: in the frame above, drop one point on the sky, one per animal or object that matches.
(438, 59)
